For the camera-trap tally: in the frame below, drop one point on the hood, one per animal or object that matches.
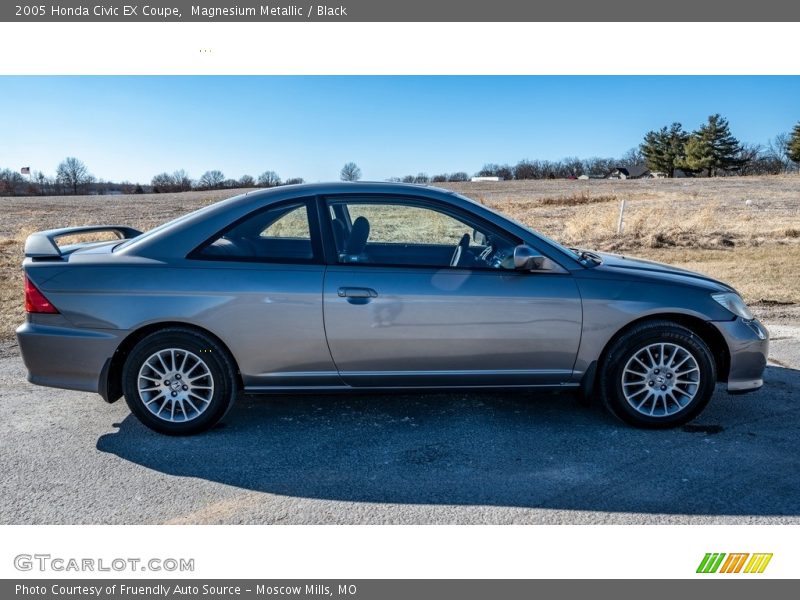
(656, 270)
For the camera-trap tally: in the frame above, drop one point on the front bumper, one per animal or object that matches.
(748, 345)
(59, 355)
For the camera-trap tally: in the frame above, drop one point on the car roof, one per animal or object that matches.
(339, 187)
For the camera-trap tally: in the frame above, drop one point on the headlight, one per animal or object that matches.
(734, 304)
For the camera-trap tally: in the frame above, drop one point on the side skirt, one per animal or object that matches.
(260, 389)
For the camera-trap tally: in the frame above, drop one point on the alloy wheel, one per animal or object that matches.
(175, 385)
(660, 379)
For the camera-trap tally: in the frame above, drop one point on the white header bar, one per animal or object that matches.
(393, 48)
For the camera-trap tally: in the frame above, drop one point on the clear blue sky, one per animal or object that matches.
(134, 127)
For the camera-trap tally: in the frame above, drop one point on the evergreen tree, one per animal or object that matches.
(712, 148)
(794, 145)
(664, 149)
(698, 155)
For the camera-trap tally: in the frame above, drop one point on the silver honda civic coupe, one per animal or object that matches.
(371, 286)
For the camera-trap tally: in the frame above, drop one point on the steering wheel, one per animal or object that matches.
(463, 244)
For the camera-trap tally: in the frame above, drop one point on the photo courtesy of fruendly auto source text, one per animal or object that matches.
(509, 294)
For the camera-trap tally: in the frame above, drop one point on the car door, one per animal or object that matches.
(398, 314)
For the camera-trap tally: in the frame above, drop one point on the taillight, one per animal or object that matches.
(35, 302)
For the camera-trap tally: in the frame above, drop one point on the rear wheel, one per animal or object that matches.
(179, 381)
(658, 375)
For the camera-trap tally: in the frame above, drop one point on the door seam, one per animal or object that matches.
(325, 325)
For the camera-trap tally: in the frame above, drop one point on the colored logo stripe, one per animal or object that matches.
(758, 563)
(734, 563)
(712, 562)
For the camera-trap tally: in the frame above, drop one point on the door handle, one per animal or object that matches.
(357, 292)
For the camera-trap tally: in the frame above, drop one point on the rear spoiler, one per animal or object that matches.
(42, 244)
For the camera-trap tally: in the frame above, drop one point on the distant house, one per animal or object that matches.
(486, 179)
(631, 172)
(680, 173)
(583, 176)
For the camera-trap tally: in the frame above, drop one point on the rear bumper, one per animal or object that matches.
(57, 355)
(748, 345)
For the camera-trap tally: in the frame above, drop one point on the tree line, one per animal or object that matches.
(179, 181)
(73, 178)
(710, 150)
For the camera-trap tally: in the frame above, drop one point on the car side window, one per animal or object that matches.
(394, 232)
(282, 233)
(292, 224)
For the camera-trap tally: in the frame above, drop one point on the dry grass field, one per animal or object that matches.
(743, 230)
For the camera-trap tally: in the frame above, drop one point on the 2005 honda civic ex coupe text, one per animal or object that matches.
(371, 286)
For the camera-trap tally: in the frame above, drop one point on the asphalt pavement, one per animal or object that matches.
(511, 457)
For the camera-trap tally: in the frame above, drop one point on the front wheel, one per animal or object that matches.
(179, 381)
(658, 375)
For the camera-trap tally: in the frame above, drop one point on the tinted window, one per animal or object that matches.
(276, 234)
(414, 234)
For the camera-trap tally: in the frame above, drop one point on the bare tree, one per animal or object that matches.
(294, 181)
(178, 181)
(750, 159)
(211, 180)
(526, 169)
(505, 172)
(269, 179)
(422, 178)
(182, 180)
(350, 172)
(458, 176)
(439, 178)
(492, 170)
(247, 181)
(632, 157)
(43, 183)
(11, 182)
(778, 151)
(598, 167)
(73, 174)
(573, 167)
(162, 183)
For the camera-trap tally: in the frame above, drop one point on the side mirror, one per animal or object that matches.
(528, 259)
(478, 237)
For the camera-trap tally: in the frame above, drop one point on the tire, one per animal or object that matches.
(179, 381)
(657, 375)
